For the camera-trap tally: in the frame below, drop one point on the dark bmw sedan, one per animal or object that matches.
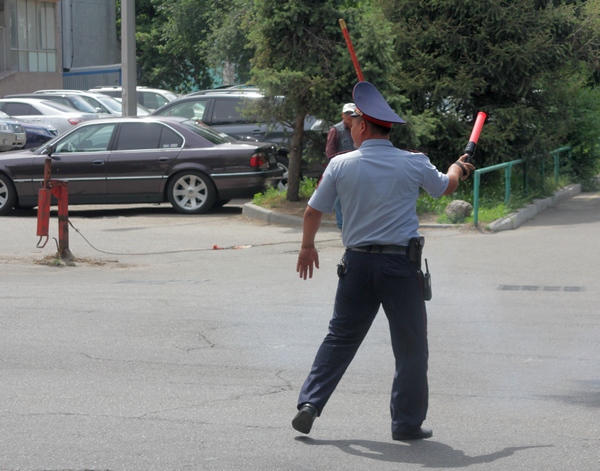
(142, 160)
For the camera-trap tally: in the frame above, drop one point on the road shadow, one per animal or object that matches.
(427, 453)
(97, 212)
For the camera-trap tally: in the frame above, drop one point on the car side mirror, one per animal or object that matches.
(50, 149)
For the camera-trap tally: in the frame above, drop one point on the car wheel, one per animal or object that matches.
(191, 192)
(283, 163)
(8, 194)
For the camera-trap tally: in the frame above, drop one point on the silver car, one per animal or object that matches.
(47, 112)
(99, 101)
(12, 135)
(151, 98)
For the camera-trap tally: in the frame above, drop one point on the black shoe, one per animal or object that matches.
(416, 435)
(305, 418)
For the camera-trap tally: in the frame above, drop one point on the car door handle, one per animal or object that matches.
(164, 159)
(97, 162)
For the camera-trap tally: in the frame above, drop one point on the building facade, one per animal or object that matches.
(41, 39)
(30, 37)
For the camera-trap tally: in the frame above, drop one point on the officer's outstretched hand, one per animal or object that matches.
(465, 166)
(306, 259)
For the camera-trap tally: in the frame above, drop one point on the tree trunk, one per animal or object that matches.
(295, 158)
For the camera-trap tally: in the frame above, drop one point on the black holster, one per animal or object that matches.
(415, 252)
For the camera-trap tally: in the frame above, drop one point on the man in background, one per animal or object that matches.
(339, 141)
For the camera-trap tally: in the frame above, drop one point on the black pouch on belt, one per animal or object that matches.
(415, 250)
(426, 281)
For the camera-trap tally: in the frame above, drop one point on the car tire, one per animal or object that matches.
(191, 192)
(8, 194)
(284, 164)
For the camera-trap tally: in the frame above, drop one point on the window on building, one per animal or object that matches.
(33, 35)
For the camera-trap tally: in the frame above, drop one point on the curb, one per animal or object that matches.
(516, 219)
(258, 212)
(512, 221)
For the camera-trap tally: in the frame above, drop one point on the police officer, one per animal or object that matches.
(378, 186)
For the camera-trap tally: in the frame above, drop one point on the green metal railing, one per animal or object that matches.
(508, 166)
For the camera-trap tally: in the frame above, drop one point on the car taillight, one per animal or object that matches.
(259, 160)
(75, 121)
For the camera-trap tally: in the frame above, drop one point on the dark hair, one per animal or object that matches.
(377, 129)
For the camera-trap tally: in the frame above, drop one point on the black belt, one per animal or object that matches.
(378, 249)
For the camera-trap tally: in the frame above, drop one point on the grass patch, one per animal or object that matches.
(272, 198)
(491, 201)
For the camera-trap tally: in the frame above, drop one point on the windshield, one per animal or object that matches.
(81, 105)
(207, 133)
(109, 102)
(171, 96)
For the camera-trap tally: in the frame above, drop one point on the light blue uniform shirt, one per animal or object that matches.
(378, 186)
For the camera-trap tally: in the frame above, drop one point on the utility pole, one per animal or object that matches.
(128, 59)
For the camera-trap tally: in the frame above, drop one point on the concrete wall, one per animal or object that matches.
(27, 82)
(89, 33)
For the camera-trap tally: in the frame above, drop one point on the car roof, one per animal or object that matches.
(122, 119)
(58, 91)
(138, 88)
(68, 92)
(38, 95)
(222, 96)
(40, 101)
(230, 90)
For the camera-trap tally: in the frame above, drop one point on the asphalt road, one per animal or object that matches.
(158, 352)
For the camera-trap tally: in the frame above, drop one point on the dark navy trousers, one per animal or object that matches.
(370, 281)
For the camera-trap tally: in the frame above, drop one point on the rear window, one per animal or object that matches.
(207, 133)
(228, 112)
(151, 100)
(186, 109)
(74, 101)
(20, 109)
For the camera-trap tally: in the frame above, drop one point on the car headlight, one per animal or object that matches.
(5, 127)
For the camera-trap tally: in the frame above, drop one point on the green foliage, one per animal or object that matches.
(167, 34)
(296, 55)
(487, 214)
(272, 198)
(583, 131)
(428, 204)
(533, 66)
(509, 59)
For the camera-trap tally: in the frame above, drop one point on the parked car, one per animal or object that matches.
(100, 102)
(12, 134)
(35, 134)
(151, 98)
(223, 110)
(38, 111)
(142, 160)
(75, 102)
